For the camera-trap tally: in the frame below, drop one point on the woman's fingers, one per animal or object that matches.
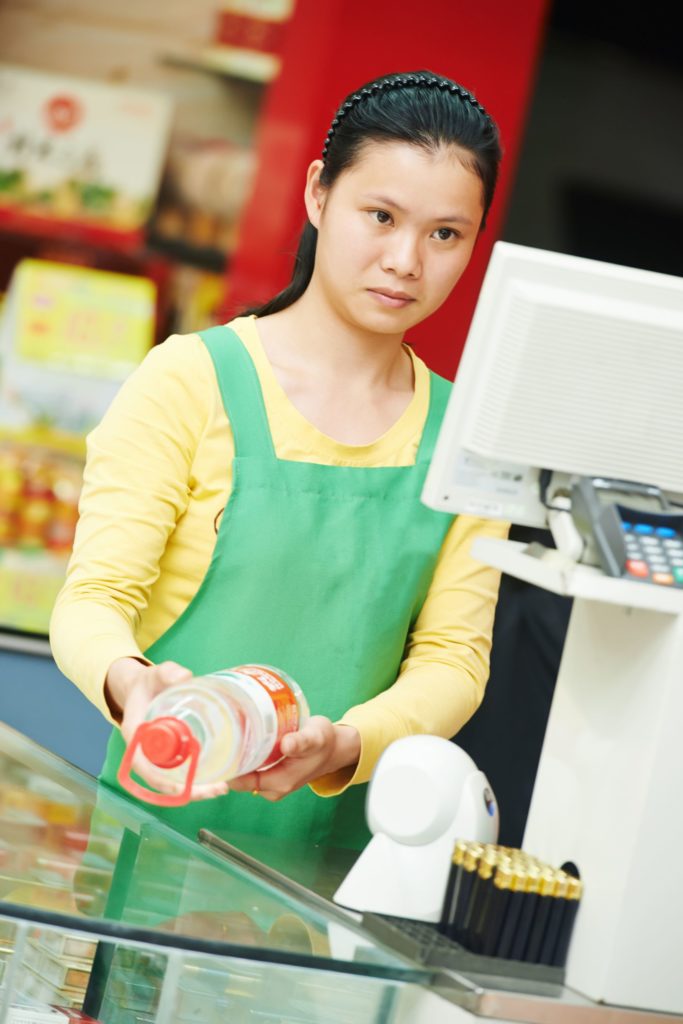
(250, 783)
(312, 738)
(170, 672)
(306, 753)
(149, 681)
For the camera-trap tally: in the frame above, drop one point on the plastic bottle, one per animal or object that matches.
(215, 727)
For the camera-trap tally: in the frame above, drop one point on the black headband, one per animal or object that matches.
(402, 82)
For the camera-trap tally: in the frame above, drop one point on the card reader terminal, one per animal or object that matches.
(629, 530)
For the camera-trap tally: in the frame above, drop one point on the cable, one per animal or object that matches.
(544, 478)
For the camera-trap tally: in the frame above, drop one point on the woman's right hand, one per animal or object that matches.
(130, 688)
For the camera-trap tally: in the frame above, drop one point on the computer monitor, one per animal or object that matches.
(572, 366)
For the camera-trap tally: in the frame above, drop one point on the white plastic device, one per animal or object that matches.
(552, 377)
(425, 794)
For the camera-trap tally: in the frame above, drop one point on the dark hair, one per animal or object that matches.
(420, 108)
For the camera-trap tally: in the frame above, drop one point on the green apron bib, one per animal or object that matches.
(319, 570)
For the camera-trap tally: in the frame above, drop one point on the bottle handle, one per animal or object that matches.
(151, 796)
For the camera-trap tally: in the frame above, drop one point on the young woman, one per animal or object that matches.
(253, 493)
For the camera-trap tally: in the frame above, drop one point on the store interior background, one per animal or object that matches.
(598, 174)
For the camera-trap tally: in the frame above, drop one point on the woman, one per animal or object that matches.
(253, 493)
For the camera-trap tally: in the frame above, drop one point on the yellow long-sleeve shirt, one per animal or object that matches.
(157, 477)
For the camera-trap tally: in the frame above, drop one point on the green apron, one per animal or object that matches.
(319, 570)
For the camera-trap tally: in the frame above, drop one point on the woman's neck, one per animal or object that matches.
(310, 338)
(352, 386)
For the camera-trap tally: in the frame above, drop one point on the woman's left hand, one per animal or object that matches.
(320, 747)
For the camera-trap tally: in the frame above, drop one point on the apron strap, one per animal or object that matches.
(243, 400)
(241, 392)
(439, 392)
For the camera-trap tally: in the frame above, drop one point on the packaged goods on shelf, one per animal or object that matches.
(46, 1015)
(56, 969)
(80, 150)
(248, 35)
(63, 944)
(69, 336)
(39, 491)
(31, 985)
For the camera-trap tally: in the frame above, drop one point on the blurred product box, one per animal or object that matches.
(67, 945)
(67, 973)
(47, 1015)
(79, 150)
(248, 37)
(69, 336)
(253, 24)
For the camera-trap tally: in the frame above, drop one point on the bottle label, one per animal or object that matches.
(284, 704)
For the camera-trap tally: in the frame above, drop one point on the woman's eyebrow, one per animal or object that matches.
(386, 201)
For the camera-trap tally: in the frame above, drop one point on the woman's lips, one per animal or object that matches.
(393, 301)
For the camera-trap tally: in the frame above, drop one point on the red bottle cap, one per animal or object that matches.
(166, 742)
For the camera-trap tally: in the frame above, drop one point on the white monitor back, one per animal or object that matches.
(570, 365)
(576, 366)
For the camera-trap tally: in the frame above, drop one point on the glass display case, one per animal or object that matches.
(108, 915)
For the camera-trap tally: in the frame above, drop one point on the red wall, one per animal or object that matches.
(330, 48)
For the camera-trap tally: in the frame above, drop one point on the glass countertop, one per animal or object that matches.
(73, 854)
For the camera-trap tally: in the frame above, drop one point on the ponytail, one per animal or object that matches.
(301, 276)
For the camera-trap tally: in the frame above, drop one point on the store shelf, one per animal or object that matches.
(553, 571)
(248, 65)
(29, 584)
(19, 222)
(18, 642)
(204, 257)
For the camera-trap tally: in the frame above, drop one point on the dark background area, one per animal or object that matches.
(601, 176)
(601, 165)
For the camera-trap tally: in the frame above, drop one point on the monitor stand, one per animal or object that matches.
(608, 795)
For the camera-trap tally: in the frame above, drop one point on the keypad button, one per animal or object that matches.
(665, 531)
(643, 528)
(665, 578)
(627, 526)
(637, 568)
(678, 574)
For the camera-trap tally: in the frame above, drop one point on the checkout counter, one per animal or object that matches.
(107, 913)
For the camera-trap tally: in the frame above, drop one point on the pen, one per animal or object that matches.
(478, 905)
(574, 890)
(541, 915)
(513, 910)
(498, 903)
(469, 873)
(529, 901)
(557, 909)
(452, 887)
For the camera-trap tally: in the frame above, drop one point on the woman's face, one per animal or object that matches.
(395, 232)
